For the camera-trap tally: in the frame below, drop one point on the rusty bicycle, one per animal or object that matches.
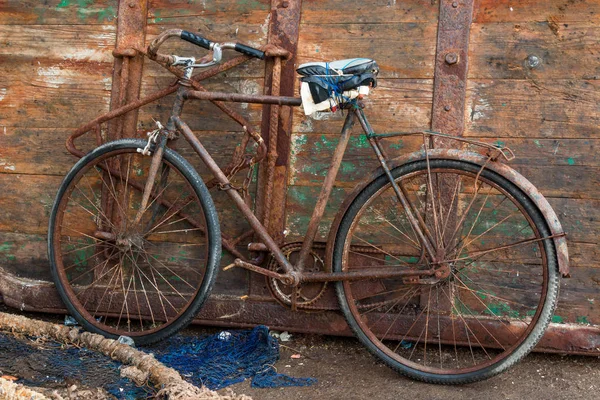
(445, 261)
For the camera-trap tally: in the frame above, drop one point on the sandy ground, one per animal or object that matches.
(347, 371)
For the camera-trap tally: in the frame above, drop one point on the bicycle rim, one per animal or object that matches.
(122, 271)
(501, 283)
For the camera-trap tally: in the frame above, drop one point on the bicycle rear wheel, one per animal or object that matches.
(496, 294)
(122, 270)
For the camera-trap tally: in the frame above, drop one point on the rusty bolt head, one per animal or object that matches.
(455, 4)
(285, 4)
(447, 108)
(131, 5)
(533, 61)
(451, 58)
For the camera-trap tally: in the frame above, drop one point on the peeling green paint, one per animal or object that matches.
(107, 14)
(583, 320)
(501, 309)
(570, 161)
(157, 17)
(6, 246)
(537, 143)
(557, 319)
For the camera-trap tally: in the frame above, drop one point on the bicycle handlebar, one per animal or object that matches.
(198, 41)
(249, 51)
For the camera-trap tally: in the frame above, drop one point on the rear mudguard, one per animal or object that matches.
(504, 170)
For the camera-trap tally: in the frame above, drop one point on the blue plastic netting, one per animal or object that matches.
(215, 361)
(227, 358)
(52, 366)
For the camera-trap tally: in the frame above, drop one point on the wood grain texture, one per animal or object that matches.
(58, 12)
(565, 108)
(375, 11)
(561, 50)
(402, 50)
(535, 10)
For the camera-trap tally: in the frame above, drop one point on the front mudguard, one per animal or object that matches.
(560, 241)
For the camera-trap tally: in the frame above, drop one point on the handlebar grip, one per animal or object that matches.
(249, 51)
(196, 39)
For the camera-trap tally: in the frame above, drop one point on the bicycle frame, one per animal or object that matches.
(293, 274)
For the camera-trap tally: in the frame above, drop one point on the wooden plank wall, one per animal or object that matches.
(56, 68)
(56, 73)
(532, 84)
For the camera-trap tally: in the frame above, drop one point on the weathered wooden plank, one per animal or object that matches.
(38, 151)
(534, 109)
(209, 12)
(553, 152)
(26, 256)
(54, 76)
(404, 50)
(534, 50)
(555, 176)
(26, 202)
(311, 157)
(394, 105)
(300, 204)
(375, 11)
(88, 43)
(203, 115)
(51, 107)
(559, 11)
(583, 254)
(58, 12)
(28, 199)
(579, 217)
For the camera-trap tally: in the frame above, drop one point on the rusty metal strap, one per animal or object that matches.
(451, 67)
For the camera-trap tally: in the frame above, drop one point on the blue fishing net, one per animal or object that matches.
(226, 358)
(51, 365)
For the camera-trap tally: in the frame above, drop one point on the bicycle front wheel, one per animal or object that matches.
(126, 270)
(498, 282)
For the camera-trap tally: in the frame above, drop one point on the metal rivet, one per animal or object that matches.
(447, 108)
(533, 61)
(451, 58)
(455, 4)
(131, 5)
(285, 4)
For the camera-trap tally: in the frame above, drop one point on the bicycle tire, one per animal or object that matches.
(166, 261)
(525, 285)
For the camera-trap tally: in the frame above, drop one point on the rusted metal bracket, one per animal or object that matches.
(451, 68)
(127, 73)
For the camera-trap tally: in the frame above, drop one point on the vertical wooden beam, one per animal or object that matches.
(451, 67)
(284, 26)
(127, 72)
(283, 32)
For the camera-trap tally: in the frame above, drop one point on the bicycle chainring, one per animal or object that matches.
(308, 293)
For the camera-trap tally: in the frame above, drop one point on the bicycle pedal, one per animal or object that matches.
(232, 265)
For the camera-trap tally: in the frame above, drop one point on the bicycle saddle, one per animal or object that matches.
(325, 85)
(351, 66)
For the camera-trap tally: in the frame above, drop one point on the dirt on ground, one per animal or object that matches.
(345, 370)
